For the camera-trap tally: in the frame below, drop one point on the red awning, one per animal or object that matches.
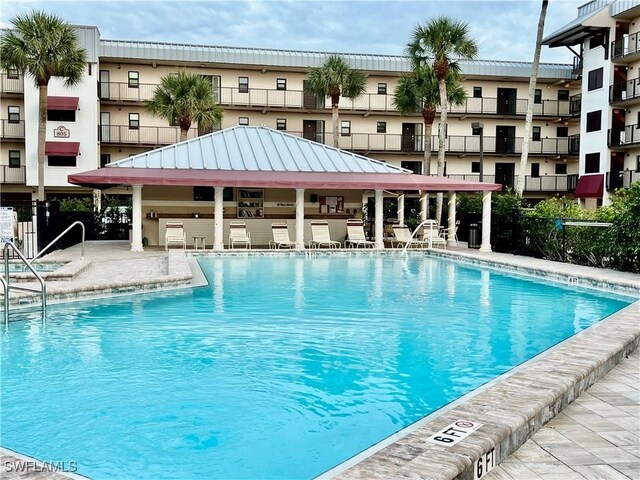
(66, 149)
(109, 176)
(62, 103)
(590, 186)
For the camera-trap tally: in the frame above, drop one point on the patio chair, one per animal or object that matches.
(281, 239)
(355, 234)
(174, 233)
(238, 234)
(445, 232)
(320, 235)
(402, 236)
(432, 235)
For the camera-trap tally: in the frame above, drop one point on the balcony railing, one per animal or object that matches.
(546, 183)
(577, 66)
(621, 138)
(285, 99)
(575, 104)
(388, 142)
(122, 134)
(11, 130)
(10, 83)
(625, 46)
(622, 179)
(15, 175)
(624, 91)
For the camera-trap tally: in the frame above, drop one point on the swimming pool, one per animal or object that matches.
(282, 368)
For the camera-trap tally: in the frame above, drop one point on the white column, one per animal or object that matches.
(486, 222)
(379, 228)
(424, 205)
(401, 208)
(299, 218)
(451, 240)
(136, 213)
(218, 218)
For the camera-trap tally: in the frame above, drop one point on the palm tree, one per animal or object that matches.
(442, 42)
(532, 90)
(333, 79)
(42, 46)
(184, 98)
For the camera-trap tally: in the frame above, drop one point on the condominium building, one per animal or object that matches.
(103, 119)
(605, 39)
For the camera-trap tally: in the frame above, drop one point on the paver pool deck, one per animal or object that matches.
(511, 409)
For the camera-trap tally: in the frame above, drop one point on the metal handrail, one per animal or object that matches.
(41, 252)
(43, 286)
(5, 287)
(423, 223)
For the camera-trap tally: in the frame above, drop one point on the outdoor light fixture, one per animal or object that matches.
(477, 128)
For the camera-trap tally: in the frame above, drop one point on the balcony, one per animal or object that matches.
(621, 139)
(625, 93)
(546, 183)
(11, 84)
(147, 136)
(576, 70)
(263, 98)
(575, 105)
(626, 49)
(574, 144)
(622, 179)
(11, 130)
(13, 175)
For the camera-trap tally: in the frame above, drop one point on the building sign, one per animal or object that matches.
(6, 225)
(62, 132)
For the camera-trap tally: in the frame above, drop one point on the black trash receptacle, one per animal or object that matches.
(474, 235)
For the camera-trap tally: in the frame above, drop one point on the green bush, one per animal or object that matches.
(623, 237)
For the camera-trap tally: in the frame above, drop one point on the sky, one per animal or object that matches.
(504, 30)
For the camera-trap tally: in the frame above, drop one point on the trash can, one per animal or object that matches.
(474, 235)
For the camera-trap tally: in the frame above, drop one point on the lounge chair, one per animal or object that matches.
(321, 236)
(238, 235)
(281, 239)
(355, 234)
(445, 232)
(174, 233)
(402, 236)
(432, 235)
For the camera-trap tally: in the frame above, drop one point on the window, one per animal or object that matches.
(561, 168)
(594, 120)
(134, 79)
(13, 74)
(563, 95)
(382, 89)
(592, 162)
(61, 115)
(535, 134)
(14, 114)
(281, 123)
(637, 163)
(477, 92)
(134, 121)
(381, 127)
(638, 119)
(104, 159)
(243, 84)
(61, 161)
(281, 84)
(598, 40)
(14, 158)
(207, 194)
(595, 79)
(537, 96)
(475, 167)
(535, 170)
(345, 128)
(562, 132)
(243, 120)
(415, 167)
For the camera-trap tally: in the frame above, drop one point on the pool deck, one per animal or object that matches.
(512, 408)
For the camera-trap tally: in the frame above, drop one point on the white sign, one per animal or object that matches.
(455, 432)
(484, 464)
(6, 224)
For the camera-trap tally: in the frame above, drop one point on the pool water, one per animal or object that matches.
(282, 368)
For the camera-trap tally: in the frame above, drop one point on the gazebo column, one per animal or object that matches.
(218, 218)
(486, 222)
(401, 208)
(136, 220)
(299, 218)
(379, 227)
(451, 240)
(424, 205)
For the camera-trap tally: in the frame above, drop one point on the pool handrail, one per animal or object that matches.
(43, 286)
(414, 233)
(5, 288)
(78, 222)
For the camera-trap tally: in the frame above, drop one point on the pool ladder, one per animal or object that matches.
(7, 286)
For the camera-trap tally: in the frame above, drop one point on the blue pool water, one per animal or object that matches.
(281, 368)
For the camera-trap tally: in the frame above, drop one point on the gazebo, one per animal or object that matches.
(259, 157)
